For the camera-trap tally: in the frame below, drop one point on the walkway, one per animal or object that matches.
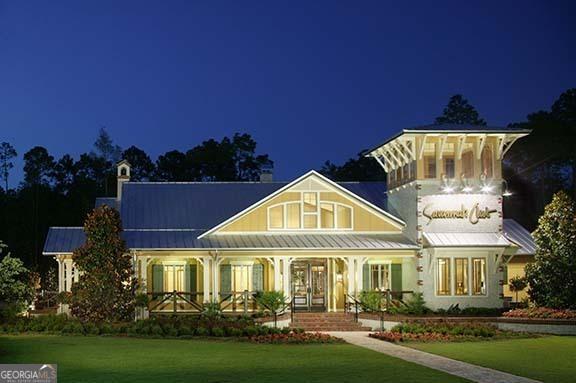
(451, 366)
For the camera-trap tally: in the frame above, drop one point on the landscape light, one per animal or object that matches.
(507, 193)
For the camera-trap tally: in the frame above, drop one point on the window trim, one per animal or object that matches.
(388, 264)
(452, 265)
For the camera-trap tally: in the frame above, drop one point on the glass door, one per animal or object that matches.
(309, 285)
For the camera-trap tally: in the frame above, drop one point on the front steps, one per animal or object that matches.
(326, 322)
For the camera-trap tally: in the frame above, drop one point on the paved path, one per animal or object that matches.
(465, 370)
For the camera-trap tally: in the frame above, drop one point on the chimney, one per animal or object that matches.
(122, 176)
(267, 173)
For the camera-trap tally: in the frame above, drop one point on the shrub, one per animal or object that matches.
(156, 330)
(251, 331)
(185, 330)
(371, 300)
(91, 328)
(541, 312)
(273, 302)
(218, 332)
(15, 287)
(295, 338)
(201, 331)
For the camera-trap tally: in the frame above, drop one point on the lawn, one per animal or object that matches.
(549, 359)
(113, 359)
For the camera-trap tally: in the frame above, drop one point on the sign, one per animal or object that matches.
(28, 373)
(474, 214)
(460, 213)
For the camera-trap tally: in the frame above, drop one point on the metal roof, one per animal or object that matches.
(66, 240)
(520, 236)
(466, 240)
(198, 206)
(451, 128)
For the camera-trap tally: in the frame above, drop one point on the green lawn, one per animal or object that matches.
(110, 359)
(550, 359)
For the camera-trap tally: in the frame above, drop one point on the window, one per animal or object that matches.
(293, 215)
(276, 217)
(429, 166)
(479, 276)
(327, 215)
(449, 167)
(173, 278)
(461, 266)
(344, 214)
(487, 164)
(310, 202)
(379, 277)
(468, 164)
(241, 278)
(443, 277)
(310, 221)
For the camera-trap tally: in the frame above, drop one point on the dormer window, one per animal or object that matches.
(310, 213)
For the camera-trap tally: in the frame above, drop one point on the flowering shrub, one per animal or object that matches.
(443, 331)
(541, 312)
(295, 337)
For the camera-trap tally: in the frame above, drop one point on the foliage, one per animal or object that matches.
(7, 152)
(273, 302)
(540, 312)
(460, 112)
(371, 300)
(212, 310)
(295, 338)
(517, 284)
(360, 168)
(141, 166)
(141, 300)
(15, 289)
(38, 165)
(104, 292)
(552, 276)
(415, 305)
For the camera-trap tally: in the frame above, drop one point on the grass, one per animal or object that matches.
(549, 359)
(114, 359)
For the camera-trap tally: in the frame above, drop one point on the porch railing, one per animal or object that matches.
(354, 305)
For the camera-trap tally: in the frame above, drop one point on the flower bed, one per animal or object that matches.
(540, 313)
(444, 331)
(295, 337)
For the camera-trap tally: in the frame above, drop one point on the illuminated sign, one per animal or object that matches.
(473, 214)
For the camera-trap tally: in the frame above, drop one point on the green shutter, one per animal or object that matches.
(505, 274)
(157, 278)
(257, 277)
(396, 270)
(192, 280)
(225, 278)
(366, 277)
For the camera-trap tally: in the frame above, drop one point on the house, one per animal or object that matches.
(437, 228)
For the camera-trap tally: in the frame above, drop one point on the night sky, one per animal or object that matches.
(310, 81)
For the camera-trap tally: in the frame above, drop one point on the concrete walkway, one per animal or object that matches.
(450, 366)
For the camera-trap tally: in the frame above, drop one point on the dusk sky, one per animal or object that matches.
(309, 81)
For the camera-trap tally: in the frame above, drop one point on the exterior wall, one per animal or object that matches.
(493, 297)
(516, 269)
(404, 201)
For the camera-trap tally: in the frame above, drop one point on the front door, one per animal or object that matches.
(309, 285)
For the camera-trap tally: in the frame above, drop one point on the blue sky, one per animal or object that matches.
(310, 81)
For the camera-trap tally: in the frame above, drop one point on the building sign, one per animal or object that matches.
(460, 213)
(474, 215)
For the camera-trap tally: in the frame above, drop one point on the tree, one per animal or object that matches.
(142, 166)
(460, 112)
(248, 165)
(173, 166)
(105, 291)
(552, 276)
(15, 289)
(355, 169)
(7, 152)
(105, 147)
(516, 285)
(38, 166)
(64, 173)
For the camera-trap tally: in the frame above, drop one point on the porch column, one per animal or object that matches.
(68, 264)
(60, 275)
(216, 279)
(206, 265)
(351, 288)
(286, 277)
(277, 274)
(360, 274)
(144, 274)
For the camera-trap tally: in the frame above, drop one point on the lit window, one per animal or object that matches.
(241, 278)
(293, 215)
(173, 278)
(479, 276)
(443, 277)
(344, 215)
(310, 221)
(327, 215)
(486, 161)
(449, 169)
(276, 217)
(461, 268)
(379, 277)
(429, 166)
(310, 202)
(468, 164)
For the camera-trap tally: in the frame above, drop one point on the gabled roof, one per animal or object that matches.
(520, 236)
(64, 240)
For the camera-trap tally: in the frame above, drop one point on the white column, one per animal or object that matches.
(206, 267)
(277, 274)
(351, 288)
(360, 274)
(216, 280)
(286, 277)
(68, 263)
(144, 274)
(60, 275)
(330, 285)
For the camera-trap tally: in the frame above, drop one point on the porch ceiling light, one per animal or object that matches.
(486, 188)
(467, 189)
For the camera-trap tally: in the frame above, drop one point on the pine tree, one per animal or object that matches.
(460, 112)
(552, 277)
(104, 291)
